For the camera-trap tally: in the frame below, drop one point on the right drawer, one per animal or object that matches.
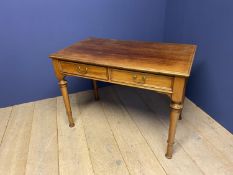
(161, 82)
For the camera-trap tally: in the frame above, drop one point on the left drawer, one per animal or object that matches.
(84, 70)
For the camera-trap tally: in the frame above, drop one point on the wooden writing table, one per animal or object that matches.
(159, 67)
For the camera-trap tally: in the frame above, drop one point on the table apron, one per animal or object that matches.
(156, 82)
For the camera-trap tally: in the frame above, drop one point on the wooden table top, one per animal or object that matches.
(164, 58)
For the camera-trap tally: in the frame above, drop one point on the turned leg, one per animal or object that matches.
(95, 88)
(183, 97)
(63, 87)
(176, 107)
(174, 115)
(180, 116)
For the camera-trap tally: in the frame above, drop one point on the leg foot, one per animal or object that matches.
(169, 150)
(168, 156)
(71, 125)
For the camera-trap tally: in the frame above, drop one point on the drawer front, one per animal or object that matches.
(84, 70)
(164, 83)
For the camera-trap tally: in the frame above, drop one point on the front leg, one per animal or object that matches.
(63, 87)
(176, 108)
(183, 97)
(174, 115)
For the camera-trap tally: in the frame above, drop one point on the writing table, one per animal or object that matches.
(161, 67)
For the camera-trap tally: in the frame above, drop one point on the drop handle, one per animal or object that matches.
(137, 80)
(82, 70)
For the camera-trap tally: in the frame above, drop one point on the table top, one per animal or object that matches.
(164, 58)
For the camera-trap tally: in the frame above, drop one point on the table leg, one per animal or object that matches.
(95, 88)
(180, 116)
(174, 115)
(63, 87)
(183, 97)
(176, 108)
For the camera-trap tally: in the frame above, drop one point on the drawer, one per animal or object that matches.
(142, 79)
(84, 70)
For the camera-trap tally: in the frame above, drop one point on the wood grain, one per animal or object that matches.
(165, 58)
(123, 117)
(14, 147)
(155, 132)
(205, 155)
(43, 148)
(73, 151)
(84, 70)
(162, 67)
(4, 118)
(142, 79)
(205, 126)
(104, 151)
(135, 150)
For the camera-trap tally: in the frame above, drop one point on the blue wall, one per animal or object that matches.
(209, 24)
(31, 30)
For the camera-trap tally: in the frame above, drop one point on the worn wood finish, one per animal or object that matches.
(165, 58)
(162, 67)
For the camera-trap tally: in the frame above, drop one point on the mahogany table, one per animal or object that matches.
(161, 67)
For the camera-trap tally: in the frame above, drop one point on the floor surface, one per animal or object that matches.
(123, 133)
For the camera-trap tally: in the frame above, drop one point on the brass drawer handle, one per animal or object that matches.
(82, 71)
(140, 81)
